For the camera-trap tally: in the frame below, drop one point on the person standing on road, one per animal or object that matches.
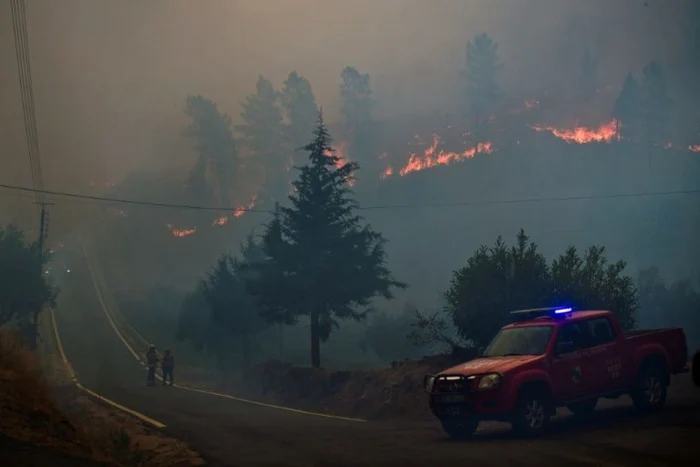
(167, 365)
(152, 362)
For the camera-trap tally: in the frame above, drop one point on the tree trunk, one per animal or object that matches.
(315, 340)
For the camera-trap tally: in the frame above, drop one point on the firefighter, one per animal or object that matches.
(167, 365)
(152, 361)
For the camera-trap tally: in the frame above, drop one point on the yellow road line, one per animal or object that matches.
(74, 378)
(202, 391)
(271, 406)
(104, 308)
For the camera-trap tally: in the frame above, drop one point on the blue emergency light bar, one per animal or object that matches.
(524, 315)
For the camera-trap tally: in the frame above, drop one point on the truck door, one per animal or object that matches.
(606, 359)
(569, 370)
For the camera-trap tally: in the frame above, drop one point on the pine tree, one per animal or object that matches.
(588, 81)
(231, 305)
(627, 110)
(263, 133)
(656, 105)
(481, 76)
(211, 129)
(357, 109)
(299, 102)
(322, 261)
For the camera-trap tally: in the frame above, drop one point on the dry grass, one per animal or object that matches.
(42, 409)
(28, 414)
(395, 392)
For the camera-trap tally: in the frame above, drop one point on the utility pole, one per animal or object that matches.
(31, 326)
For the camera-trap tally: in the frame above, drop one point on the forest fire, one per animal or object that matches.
(388, 172)
(220, 222)
(240, 210)
(176, 232)
(694, 148)
(432, 157)
(605, 133)
(339, 151)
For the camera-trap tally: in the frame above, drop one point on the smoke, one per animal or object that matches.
(110, 76)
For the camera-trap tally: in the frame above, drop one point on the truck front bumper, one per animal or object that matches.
(487, 405)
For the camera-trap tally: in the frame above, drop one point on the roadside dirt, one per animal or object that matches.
(46, 420)
(390, 393)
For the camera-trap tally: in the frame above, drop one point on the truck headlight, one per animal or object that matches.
(492, 381)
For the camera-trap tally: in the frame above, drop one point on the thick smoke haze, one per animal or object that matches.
(110, 77)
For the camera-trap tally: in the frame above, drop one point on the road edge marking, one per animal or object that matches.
(75, 381)
(104, 307)
(202, 391)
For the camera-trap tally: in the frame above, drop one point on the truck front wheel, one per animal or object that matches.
(460, 429)
(650, 389)
(531, 415)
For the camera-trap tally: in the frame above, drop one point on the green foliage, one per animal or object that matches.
(196, 326)
(231, 306)
(664, 304)
(495, 281)
(656, 104)
(263, 133)
(387, 335)
(24, 288)
(211, 130)
(500, 279)
(627, 110)
(299, 103)
(588, 81)
(590, 282)
(482, 90)
(320, 260)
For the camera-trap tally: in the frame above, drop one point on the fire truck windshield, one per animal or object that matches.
(526, 340)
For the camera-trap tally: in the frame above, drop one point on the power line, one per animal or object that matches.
(19, 23)
(106, 199)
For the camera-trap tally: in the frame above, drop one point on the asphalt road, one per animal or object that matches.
(227, 432)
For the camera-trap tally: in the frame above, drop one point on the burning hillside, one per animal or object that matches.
(433, 156)
(220, 221)
(604, 133)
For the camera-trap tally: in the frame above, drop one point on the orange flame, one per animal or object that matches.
(243, 209)
(221, 221)
(605, 133)
(181, 232)
(432, 157)
(694, 148)
(343, 159)
(388, 172)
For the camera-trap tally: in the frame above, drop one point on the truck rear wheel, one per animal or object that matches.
(584, 407)
(531, 415)
(460, 429)
(650, 389)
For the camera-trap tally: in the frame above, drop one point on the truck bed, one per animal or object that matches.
(671, 339)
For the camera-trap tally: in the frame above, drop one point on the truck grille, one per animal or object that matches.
(451, 385)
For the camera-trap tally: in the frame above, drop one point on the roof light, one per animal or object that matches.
(560, 311)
